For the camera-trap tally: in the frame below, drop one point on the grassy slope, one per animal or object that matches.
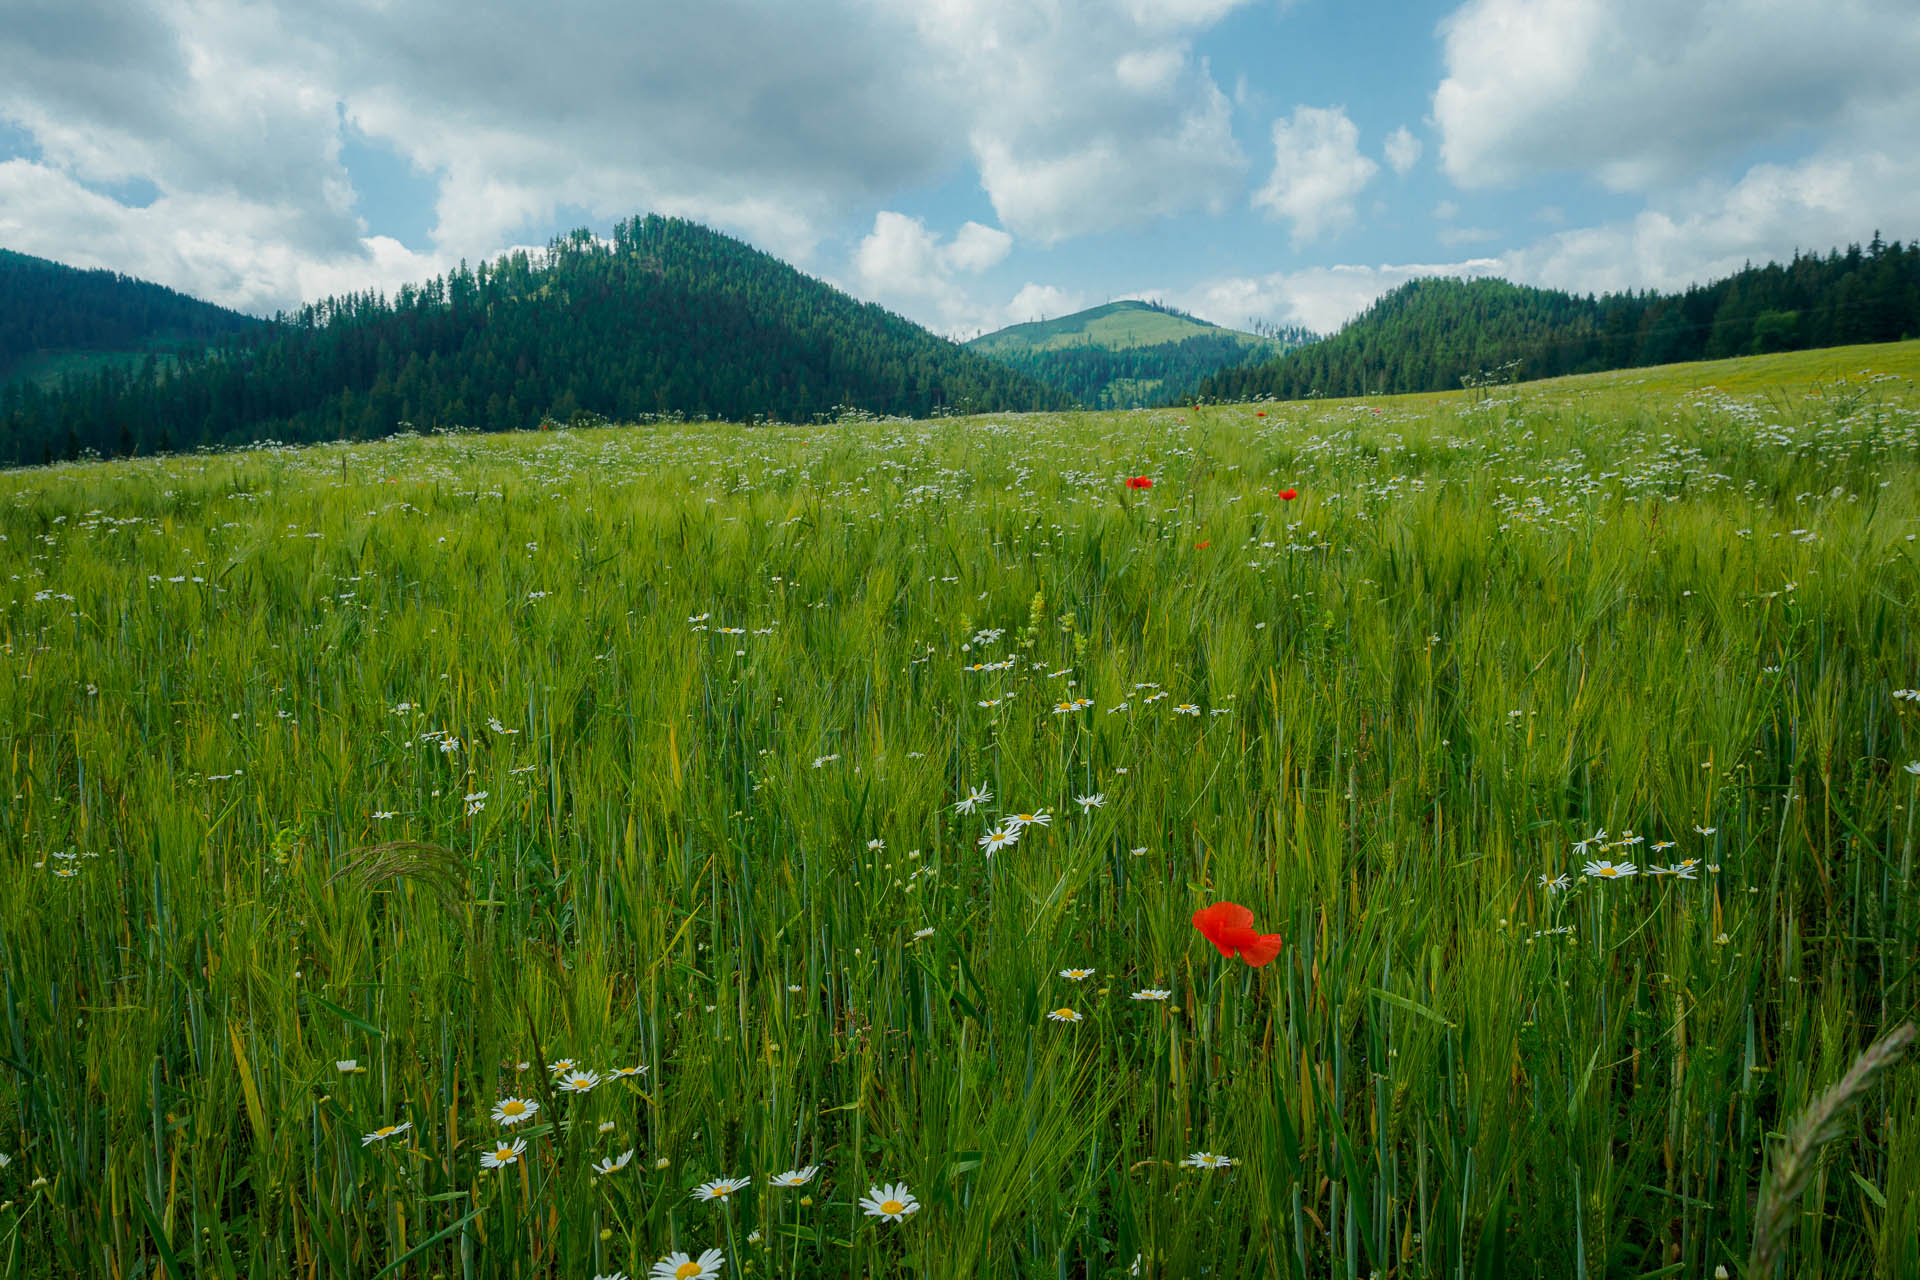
(1490, 625)
(1116, 325)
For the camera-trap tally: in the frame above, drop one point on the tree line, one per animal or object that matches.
(667, 317)
(1436, 334)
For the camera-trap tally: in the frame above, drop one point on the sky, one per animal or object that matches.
(967, 163)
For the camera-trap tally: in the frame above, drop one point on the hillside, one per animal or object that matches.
(1436, 334)
(57, 320)
(666, 318)
(1126, 354)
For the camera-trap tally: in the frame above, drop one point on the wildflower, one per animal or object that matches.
(1152, 993)
(1912, 766)
(975, 797)
(1076, 975)
(1095, 801)
(890, 1202)
(680, 1266)
(795, 1177)
(1580, 847)
(1062, 708)
(348, 1067)
(1605, 870)
(1140, 482)
(875, 846)
(511, 1111)
(1021, 821)
(1186, 709)
(610, 1275)
(607, 1126)
(1289, 494)
(558, 1067)
(503, 1155)
(1684, 870)
(1207, 1160)
(923, 933)
(385, 1132)
(614, 1165)
(999, 838)
(1066, 1015)
(1705, 831)
(579, 1081)
(1555, 884)
(1229, 927)
(719, 1189)
(627, 1073)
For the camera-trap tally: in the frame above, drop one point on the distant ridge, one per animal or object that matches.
(56, 319)
(1129, 353)
(1438, 334)
(667, 317)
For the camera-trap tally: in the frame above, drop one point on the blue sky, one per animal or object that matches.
(969, 163)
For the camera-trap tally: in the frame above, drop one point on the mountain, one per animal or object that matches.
(1127, 354)
(56, 320)
(667, 317)
(1440, 334)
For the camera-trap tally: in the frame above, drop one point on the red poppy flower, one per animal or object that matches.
(1229, 926)
(1261, 414)
(1289, 494)
(1201, 546)
(1140, 482)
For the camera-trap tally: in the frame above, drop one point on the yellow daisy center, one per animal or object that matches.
(891, 1206)
(1607, 871)
(513, 1108)
(687, 1269)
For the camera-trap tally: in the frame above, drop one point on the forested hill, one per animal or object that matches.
(667, 317)
(1432, 335)
(1130, 353)
(49, 312)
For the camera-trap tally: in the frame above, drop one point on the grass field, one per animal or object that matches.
(353, 789)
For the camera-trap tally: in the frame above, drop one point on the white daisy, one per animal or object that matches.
(614, 1165)
(503, 1155)
(893, 1202)
(511, 1111)
(795, 1177)
(681, 1266)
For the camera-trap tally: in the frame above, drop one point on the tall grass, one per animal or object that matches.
(624, 833)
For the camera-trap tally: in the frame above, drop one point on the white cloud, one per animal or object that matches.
(1317, 172)
(1819, 204)
(903, 265)
(1403, 150)
(1043, 302)
(761, 117)
(1321, 298)
(1081, 118)
(1446, 209)
(1646, 93)
(242, 254)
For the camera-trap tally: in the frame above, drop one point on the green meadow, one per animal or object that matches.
(633, 777)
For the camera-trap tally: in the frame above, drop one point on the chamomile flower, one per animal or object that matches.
(975, 797)
(1207, 1160)
(579, 1081)
(1076, 975)
(614, 1165)
(795, 1177)
(1089, 803)
(627, 1073)
(560, 1066)
(384, 1132)
(503, 1155)
(349, 1067)
(999, 838)
(511, 1111)
(1152, 993)
(1555, 884)
(1604, 870)
(1021, 821)
(1186, 709)
(1066, 1015)
(719, 1189)
(681, 1266)
(891, 1203)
